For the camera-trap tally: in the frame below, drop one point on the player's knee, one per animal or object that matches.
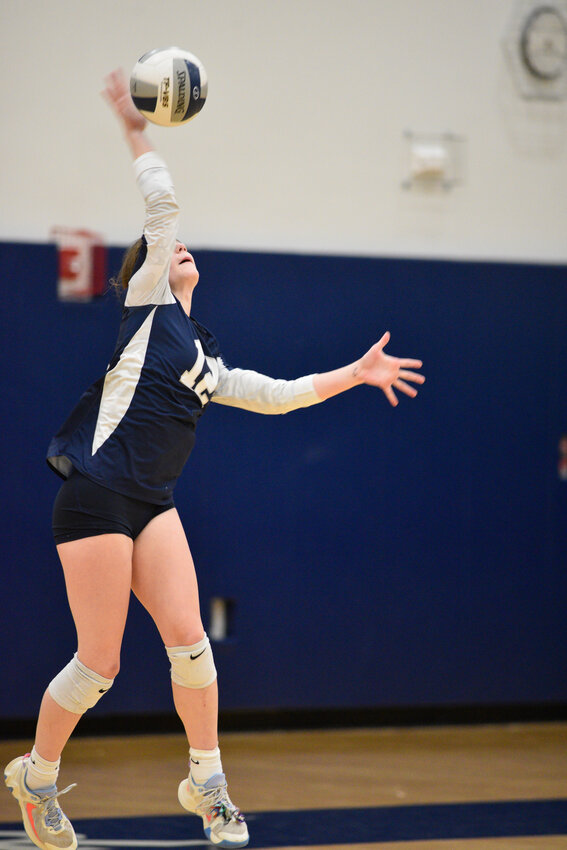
(192, 666)
(77, 688)
(109, 668)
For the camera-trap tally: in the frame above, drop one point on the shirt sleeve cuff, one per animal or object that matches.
(304, 390)
(148, 160)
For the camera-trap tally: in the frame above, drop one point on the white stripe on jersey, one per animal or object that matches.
(120, 384)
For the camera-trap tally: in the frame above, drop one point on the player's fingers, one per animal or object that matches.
(408, 363)
(115, 84)
(109, 92)
(391, 396)
(116, 77)
(110, 81)
(405, 388)
(411, 376)
(384, 340)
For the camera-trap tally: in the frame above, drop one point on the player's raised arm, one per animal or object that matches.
(146, 264)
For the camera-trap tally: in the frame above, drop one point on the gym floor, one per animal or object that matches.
(450, 788)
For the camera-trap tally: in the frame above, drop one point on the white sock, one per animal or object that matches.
(204, 763)
(41, 773)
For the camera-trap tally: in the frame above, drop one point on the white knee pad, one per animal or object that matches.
(192, 666)
(76, 688)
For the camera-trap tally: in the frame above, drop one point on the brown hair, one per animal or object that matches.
(129, 262)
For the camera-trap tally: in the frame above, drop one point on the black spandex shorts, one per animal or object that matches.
(85, 509)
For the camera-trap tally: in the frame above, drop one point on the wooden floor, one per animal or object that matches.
(131, 776)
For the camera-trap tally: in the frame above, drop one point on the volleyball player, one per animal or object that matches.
(120, 453)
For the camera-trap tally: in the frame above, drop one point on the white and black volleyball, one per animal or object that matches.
(168, 86)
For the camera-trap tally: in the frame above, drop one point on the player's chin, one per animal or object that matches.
(191, 270)
(185, 274)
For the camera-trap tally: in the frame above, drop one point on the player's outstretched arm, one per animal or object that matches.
(375, 368)
(117, 94)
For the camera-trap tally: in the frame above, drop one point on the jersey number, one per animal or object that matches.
(202, 383)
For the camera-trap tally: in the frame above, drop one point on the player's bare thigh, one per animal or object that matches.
(98, 577)
(164, 580)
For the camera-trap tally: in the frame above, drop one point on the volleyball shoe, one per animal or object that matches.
(44, 822)
(223, 823)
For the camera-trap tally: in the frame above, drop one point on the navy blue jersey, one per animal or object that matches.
(134, 428)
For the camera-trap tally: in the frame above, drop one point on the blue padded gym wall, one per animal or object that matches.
(374, 556)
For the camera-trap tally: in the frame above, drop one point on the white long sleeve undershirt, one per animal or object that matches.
(258, 393)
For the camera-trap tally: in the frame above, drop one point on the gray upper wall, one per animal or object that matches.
(300, 146)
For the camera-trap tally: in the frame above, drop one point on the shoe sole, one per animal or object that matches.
(225, 844)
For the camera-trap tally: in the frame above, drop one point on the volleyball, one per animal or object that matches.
(168, 86)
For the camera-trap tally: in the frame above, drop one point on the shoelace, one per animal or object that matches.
(217, 802)
(53, 814)
(221, 810)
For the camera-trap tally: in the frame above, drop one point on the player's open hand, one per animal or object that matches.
(381, 370)
(117, 94)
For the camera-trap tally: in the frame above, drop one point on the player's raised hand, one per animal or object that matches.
(382, 370)
(117, 94)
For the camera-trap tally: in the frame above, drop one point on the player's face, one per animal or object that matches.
(182, 269)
